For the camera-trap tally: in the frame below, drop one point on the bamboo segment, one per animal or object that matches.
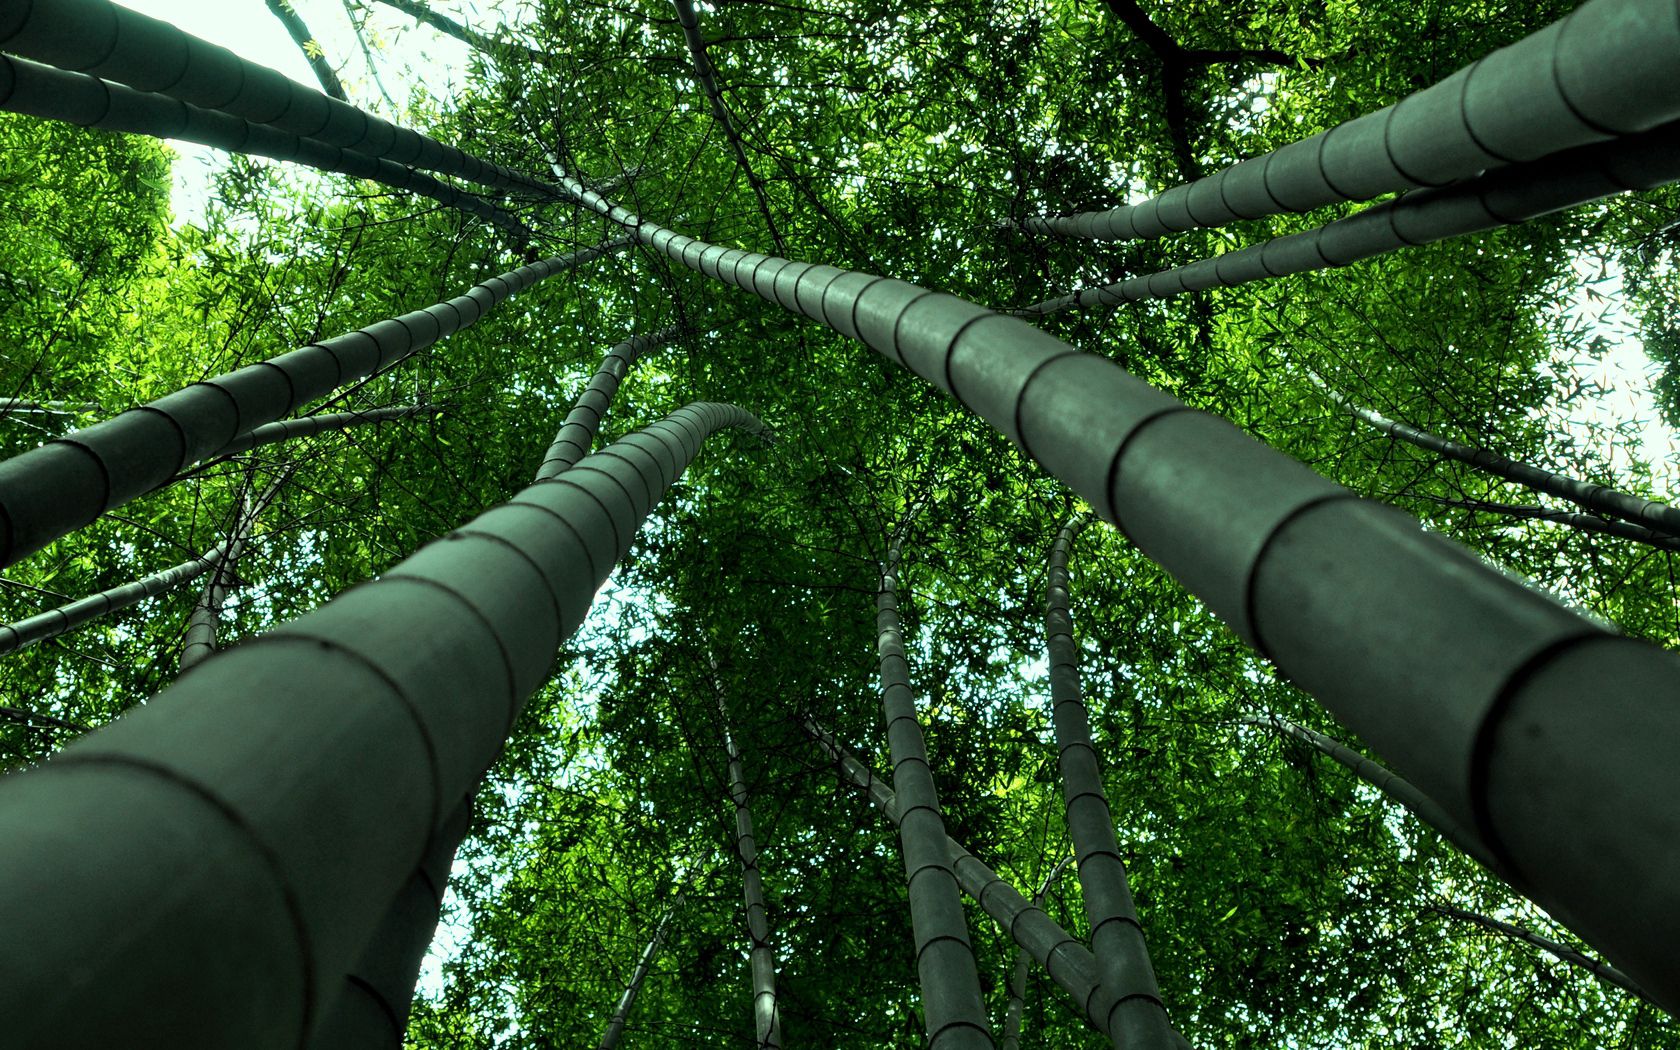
(1023, 964)
(266, 809)
(577, 433)
(621, 1013)
(954, 1013)
(767, 1018)
(1503, 197)
(1605, 70)
(1138, 1020)
(114, 43)
(327, 423)
(200, 642)
(1479, 690)
(86, 101)
(50, 491)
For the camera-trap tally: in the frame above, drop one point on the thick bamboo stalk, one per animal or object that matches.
(326, 423)
(953, 1010)
(1480, 690)
(1139, 1019)
(1023, 967)
(577, 433)
(1503, 197)
(621, 1013)
(87, 101)
(116, 44)
(767, 1018)
(1603, 971)
(1652, 514)
(264, 811)
(1603, 71)
(50, 491)
(1068, 963)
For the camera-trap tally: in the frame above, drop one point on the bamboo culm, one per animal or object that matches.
(1117, 941)
(1603, 971)
(50, 491)
(1582, 522)
(89, 102)
(1652, 514)
(1603, 71)
(621, 1013)
(116, 44)
(1023, 967)
(326, 423)
(200, 642)
(266, 808)
(767, 1018)
(578, 431)
(1068, 963)
(1503, 197)
(1486, 707)
(953, 1010)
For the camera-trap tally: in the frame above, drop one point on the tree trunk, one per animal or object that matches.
(114, 43)
(50, 491)
(76, 98)
(264, 811)
(1602, 72)
(1487, 707)
(577, 433)
(1117, 941)
(955, 1014)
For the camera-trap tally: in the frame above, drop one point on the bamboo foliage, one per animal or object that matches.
(1604, 71)
(1117, 941)
(116, 44)
(268, 807)
(1483, 706)
(50, 491)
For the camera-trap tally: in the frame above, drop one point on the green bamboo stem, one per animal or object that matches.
(1580, 522)
(50, 491)
(767, 1018)
(621, 1013)
(1070, 966)
(22, 406)
(1023, 967)
(1503, 197)
(326, 423)
(116, 44)
(577, 433)
(298, 30)
(954, 1012)
(200, 642)
(1601, 970)
(1603, 71)
(1486, 705)
(265, 810)
(1139, 1019)
(87, 101)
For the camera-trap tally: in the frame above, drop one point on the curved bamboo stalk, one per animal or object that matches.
(953, 1010)
(86, 101)
(1503, 197)
(767, 1018)
(1140, 1018)
(1383, 779)
(1603, 71)
(116, 44)
(1652, 514)
(326, 423)
(265, 809)
(1487, 706)
(1602, 970)
(1023, 964)
(1068, 963)
(621, 1013)
(577, 433)
(50, 491)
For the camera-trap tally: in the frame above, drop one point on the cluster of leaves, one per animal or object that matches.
(1284, 901)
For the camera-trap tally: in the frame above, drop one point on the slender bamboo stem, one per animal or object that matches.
(1577, 521)
(767, 1018)
(1602, 970)
(1139, 1019)
(1023, 965)
(200, 642)
(577, 433)
(326, 423)
(621, 1013)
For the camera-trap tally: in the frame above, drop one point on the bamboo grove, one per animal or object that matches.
(972, 590)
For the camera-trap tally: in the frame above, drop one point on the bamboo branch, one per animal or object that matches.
(1582, 522)
(621, 1013)
(200, 642)
(1602, 970)
(1023, 963)
(306, 41)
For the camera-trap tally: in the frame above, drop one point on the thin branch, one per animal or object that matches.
(298, 30)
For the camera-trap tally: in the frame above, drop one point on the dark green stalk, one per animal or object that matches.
(326, 423)
(954, 1012)
(1139, 1019)
(1602, 970)
(621, 1013)
(264, 811)
(1605, 70)
(200, 642)
(86, 101)
(1023, 964)
(1580, 522)
(298, 30)
(50, 491)
(1503, 197)
(577, 433)
(767, 1018)
(1480, 690)
(115, 44)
